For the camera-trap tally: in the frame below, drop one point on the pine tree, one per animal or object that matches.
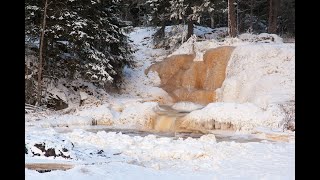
(159, 15)
(286, 20)
(189, 11)
(83, 39)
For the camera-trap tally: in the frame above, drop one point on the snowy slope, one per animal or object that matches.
(136, 83)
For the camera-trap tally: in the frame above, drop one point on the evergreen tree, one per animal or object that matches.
(287, 17)
(83, 39)
(159, 15)
(189, 11)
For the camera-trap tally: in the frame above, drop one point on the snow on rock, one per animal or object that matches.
(130, 113)
(244, 116)
(101, 115)
(57, 93)
(186, 106)
(144, 86)
(83, 95)
(261, 74)
(193, 45)
(138, 115)
(51, 145)
(209, 33)
(61, 121)
(137, 83)
(260, 79)
(263, 37)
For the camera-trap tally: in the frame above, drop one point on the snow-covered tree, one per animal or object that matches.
(83, 39)
(159, 16)
(189, 11)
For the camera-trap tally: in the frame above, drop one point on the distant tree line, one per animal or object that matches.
(256, 16)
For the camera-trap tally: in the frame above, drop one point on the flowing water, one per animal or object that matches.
(167, 118)
(165, 125)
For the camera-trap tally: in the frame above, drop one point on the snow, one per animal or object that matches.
(260, 74)
(135, 80)
(101, 114)
(128, 114)
(129, 157)
(263, 37)
(83, 95)
(206, 38)
(66, 120)
(186, 106)
(244, 116)
(138, 114)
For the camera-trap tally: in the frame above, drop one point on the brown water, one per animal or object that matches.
(167, 118)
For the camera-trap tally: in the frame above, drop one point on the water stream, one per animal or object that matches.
(165, 125)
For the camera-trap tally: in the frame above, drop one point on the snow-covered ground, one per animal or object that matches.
(259, 81)
(118, 156)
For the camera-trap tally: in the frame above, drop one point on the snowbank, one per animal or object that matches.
(193, 45)
(263, 37)
(38, 144)
(138, 115)
(100, 115)
(244, 116)
(66, 120)
(261, 74)
(136, 83)
(118, 156)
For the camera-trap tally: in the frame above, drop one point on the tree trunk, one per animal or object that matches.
(232, 19)
(190, 28)
(273, 14)
(162, 29)
(212, 20)
(251, 16)
(41, 52)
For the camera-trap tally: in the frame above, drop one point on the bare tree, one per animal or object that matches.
(232, 19)
(41, 52)
(273, 14)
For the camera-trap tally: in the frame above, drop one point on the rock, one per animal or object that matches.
(50, 152)
(195, 81)
(171, 65)
(56, 103)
